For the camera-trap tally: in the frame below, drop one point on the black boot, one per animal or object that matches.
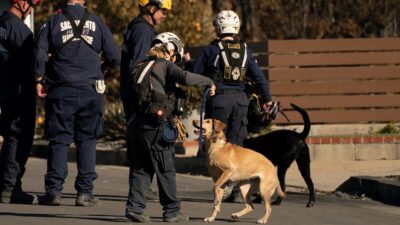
(137, 217)
(18, 196)
(180, 217)
(86, 199)
(48, 199)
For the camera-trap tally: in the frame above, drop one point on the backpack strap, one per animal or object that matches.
(77, 30)
(223, 53)
(245, 55)
(146, 70)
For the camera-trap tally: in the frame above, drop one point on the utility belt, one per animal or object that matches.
(161, 106)
(229, 91)
(160, 112)
(170, 128)
(98, 85)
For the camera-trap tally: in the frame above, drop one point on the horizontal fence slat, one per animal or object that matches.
(339, 87)
(318, 45)
(343, 116)
(333, 73)
(342, 101)
(360, 58)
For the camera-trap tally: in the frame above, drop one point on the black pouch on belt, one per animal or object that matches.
(158, 108)
(169, 132)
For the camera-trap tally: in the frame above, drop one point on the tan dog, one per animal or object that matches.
(229, 162)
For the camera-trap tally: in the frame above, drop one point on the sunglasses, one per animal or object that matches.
(164, 11)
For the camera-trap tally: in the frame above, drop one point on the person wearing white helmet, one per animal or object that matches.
(151, 93)
(228, 60)
(227, 23)
(138, 38)
(174, 39)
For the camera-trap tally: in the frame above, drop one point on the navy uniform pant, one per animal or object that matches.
(73, 114)
(151, 155)
(230, 106)
(17, 125)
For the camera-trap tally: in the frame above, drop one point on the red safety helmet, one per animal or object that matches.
(33, 3)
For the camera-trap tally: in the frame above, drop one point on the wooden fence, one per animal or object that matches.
(335, 80)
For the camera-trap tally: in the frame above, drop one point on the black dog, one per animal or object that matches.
(282, 147)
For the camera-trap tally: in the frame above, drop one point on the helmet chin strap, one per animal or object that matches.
(152, 17)
(152, 14)
(22, 11)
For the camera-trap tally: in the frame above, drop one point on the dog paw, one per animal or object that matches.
(235, 216)
(262, 221)
(209, 219)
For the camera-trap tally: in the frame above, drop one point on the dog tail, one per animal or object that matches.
(306, 119)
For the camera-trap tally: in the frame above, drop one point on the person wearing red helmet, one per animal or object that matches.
(24, 7)
(17, 100)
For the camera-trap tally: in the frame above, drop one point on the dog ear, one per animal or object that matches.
(219, 126)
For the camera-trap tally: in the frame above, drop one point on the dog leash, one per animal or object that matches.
(206, 93)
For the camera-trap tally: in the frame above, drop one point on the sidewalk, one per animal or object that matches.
(327, 176)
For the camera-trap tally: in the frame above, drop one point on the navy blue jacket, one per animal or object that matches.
(77, 62)
(137, 43)
(16, 48)
(205, 65)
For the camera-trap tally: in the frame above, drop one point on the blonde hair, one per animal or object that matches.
(161, 51)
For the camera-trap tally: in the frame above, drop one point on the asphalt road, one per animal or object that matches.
(195, 191)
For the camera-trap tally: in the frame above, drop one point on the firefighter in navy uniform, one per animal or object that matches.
(228, 61)
(17, 100)
(138, 38)
(150, 128)
(73, 85)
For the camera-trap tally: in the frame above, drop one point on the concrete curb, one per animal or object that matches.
(105, 155)
(117, 156)
(377, 188)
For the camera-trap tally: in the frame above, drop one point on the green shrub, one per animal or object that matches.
(388, 129)
(114, 122)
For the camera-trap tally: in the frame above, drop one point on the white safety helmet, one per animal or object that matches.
(172, 38)
(227, 22)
